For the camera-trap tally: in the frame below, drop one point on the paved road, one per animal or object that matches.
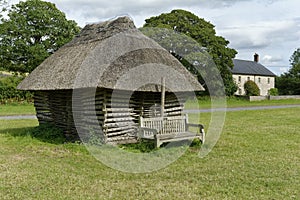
(17, 117)
(186, 111)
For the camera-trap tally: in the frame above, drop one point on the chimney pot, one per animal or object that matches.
(256, 57)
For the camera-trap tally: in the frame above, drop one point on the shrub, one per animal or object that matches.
(251, 88)
(274, 92)
(9, 91)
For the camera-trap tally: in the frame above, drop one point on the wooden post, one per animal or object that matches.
(163, 95)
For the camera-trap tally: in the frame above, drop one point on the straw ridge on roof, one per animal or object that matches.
(101, 31)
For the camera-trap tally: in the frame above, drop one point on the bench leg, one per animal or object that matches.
(157, 142)
(202, 136)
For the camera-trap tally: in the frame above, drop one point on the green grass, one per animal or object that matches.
(231, 102)
(17, 109)
(256, 157)
(204, 102)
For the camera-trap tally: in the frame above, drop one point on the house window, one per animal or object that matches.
(269, 80)
(259, 80)
(240, 79)
(248, 78)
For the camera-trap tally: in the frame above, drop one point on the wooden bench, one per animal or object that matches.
(169, 129)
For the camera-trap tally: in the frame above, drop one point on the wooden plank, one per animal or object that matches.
(120, 105)
(120, 128)
(120, 124)
(123, 132)
(119, 109)
(167, 105)
(173, 109)
(120, 114)
(117, 120)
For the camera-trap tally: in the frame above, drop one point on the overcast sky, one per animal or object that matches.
(270, 28)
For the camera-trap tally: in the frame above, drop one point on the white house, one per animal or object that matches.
(245, 70)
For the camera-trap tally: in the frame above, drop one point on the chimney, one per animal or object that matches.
(256, 57)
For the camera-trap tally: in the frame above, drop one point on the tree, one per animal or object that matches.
(289, 83)
(204, 33)
(251, 88)
(295, 62)
(33, 30)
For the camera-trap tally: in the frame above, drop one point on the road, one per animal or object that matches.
(241, 109)
(186, 111)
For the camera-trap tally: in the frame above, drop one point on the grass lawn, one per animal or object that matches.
(17, 109)
(204, 102)
(28, 108)
(257, 157)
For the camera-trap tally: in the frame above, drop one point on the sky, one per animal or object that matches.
(270, 28)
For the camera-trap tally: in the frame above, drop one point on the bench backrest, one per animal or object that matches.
(165, 125)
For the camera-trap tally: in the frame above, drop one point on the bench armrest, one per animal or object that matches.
(201, 130)
(200, 126)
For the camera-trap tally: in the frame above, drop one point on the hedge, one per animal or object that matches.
(9, 91)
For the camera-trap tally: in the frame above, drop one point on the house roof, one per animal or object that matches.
(246, 67)
(113, 55)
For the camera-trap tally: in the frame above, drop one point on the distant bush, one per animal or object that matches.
(9, 92)
(251, 88)
(273, 92)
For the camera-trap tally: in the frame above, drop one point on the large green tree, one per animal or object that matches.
(32, 31)
(289, 83)
(204, 33)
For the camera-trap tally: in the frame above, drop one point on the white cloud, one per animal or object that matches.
(268, 58)
(102, 9)
(274, 61)
(261, 34)
(283, 69)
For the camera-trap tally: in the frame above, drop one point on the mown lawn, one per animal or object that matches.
(231, 102)
(17, 109)
(203, 102)
(256, 157)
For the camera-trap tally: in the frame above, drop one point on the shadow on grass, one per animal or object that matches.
(146, 146)
(143, 146)
(45, 133)
(50, 134)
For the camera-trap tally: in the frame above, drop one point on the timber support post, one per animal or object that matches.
(163, 96)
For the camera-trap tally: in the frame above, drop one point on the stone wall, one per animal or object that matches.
(261, 98)
(285, 97)
(258, 98)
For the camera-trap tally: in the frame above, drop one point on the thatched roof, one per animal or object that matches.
(113, 55)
